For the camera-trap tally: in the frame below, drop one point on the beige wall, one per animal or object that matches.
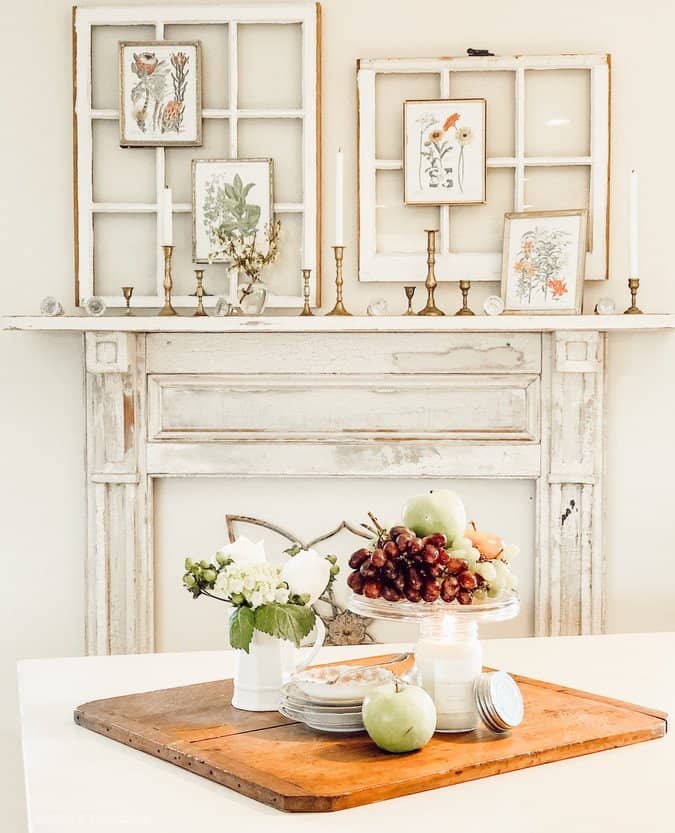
(42, 499)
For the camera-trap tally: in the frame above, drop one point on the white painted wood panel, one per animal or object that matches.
(374, 405)
(310, 407)
(420, 459)
(505, 324)
(398, 353)
(119, 577)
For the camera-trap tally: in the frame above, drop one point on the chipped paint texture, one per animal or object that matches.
(376, 405)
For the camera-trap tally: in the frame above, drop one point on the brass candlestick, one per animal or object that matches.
(167, 309)
(465, 286)
(339, 308)
(306, 274)
(199, 273)
(431, 283)
(633, 309)
(409, 292)
(128, 291)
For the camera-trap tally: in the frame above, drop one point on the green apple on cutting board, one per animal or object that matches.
(399, 717)
(437, 511)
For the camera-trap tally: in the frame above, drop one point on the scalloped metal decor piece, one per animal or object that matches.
(342, 626)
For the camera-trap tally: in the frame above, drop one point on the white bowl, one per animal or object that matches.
(341, 683)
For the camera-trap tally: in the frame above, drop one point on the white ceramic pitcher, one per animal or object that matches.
(270, 662)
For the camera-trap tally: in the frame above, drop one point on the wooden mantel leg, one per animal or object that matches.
(569, 569)
(119, 590)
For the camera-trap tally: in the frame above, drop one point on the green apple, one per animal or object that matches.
(399, 717)
(436, 511)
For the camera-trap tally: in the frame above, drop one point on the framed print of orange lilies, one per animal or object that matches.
(444, 151)
(543, 261)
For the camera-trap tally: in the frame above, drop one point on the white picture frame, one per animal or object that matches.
(160, 93)
(444, 151)
(543, 262)
(235, 19)
(216, 185)
(383, 263)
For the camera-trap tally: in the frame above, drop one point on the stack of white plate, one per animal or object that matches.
(329, 698)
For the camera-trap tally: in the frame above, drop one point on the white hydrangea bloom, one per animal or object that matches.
(258, 582)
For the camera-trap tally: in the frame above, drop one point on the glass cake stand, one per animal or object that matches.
(448, 652)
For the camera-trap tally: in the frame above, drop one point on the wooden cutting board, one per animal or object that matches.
(286, 765)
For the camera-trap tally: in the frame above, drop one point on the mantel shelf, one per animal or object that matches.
(323, 324)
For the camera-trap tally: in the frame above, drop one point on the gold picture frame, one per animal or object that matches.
(157, 112)
(268, 217)
(544, 267)
(450, 104)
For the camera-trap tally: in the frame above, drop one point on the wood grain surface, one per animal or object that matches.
(288, 766)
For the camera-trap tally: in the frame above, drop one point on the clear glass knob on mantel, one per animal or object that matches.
(448, 653)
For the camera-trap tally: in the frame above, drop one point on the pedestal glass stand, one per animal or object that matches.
(448, 652)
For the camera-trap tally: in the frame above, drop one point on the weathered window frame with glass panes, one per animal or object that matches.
(157, 23)
(401, 256)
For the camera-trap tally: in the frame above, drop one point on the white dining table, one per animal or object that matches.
(79, 781)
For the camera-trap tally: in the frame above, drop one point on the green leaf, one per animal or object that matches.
(241, 628)
(285, 621)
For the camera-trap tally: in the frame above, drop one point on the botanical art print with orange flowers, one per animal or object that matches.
(159, 89)
(543, 261)
(445, 151)
(540, 265)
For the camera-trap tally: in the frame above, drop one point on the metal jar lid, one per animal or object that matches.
(498, 701)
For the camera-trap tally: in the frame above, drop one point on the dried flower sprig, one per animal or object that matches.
(241, 252)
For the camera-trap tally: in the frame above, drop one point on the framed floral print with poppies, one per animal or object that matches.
(444, 151)
(543, 262)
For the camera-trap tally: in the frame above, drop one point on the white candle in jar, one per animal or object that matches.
(166, 217)
(633, 226)
(339, 198)
(449, 659)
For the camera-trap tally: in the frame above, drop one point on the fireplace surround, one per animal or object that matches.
(296, 397)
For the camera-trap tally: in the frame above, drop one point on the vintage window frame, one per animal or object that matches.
(305, 14)
(481, 266)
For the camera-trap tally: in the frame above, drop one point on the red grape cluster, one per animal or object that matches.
(403, 566)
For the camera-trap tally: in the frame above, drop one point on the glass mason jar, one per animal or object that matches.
(449, 658)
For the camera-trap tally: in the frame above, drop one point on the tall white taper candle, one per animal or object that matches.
(166, 217)
(633, 227)
(339, 198)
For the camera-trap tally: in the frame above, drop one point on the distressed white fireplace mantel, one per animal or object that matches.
(518, 397)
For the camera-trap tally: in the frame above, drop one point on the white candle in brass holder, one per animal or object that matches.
(465, 286)
(306, 275)
(633, 309)
(200, 311)
(431, 283)
(339, 308)
(167, 309)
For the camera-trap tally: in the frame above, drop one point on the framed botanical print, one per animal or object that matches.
(160, 93)
(444, 151)
(230, 197)
(543, 261)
